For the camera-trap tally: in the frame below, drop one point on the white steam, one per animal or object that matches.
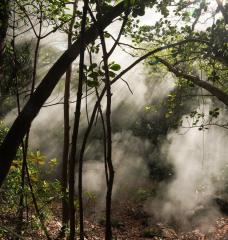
(130, 168)
(200, 161)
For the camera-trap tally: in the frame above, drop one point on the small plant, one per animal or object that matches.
(43, 189)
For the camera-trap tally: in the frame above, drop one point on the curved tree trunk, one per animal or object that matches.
(23, 121)
(221, 95)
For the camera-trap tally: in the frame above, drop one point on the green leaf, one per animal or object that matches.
(92, 83)
(115, 67)
(112, 74)
(92, 66)
(93, 75)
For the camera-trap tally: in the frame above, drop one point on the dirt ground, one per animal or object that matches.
(129, 222)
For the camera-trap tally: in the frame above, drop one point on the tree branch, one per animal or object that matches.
(31, 109)
(222, 96)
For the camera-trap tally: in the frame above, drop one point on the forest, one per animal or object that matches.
(113, 119)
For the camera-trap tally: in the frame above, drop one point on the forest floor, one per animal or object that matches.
(129, 222)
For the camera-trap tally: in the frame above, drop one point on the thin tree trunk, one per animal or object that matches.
(64, 172)
(108, 230)
(25, 144)
(31, 109)
(4, 16)
(15, 78)
(108, 233)
(101, 115)
(72, 160)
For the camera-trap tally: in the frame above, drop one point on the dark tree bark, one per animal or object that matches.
(223, 10)
(25, 143)
(108, 232)
(110, 180)
(72, 160)
(221, 95)
(4, 16)
(64, 170)
(31, 109)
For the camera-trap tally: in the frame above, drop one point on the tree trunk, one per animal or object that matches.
(72, 160)
(110, 181)
(221, 95)
(64, 173)
(4, 16)
(31, 109)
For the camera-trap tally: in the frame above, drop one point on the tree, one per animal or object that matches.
(208, 55)
(163, 50)
(36, 101)
(4, 16)
(43, 91)
(65, 158)
(198, 49)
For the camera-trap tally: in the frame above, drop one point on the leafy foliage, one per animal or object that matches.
(17, 76)
(45, 189)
